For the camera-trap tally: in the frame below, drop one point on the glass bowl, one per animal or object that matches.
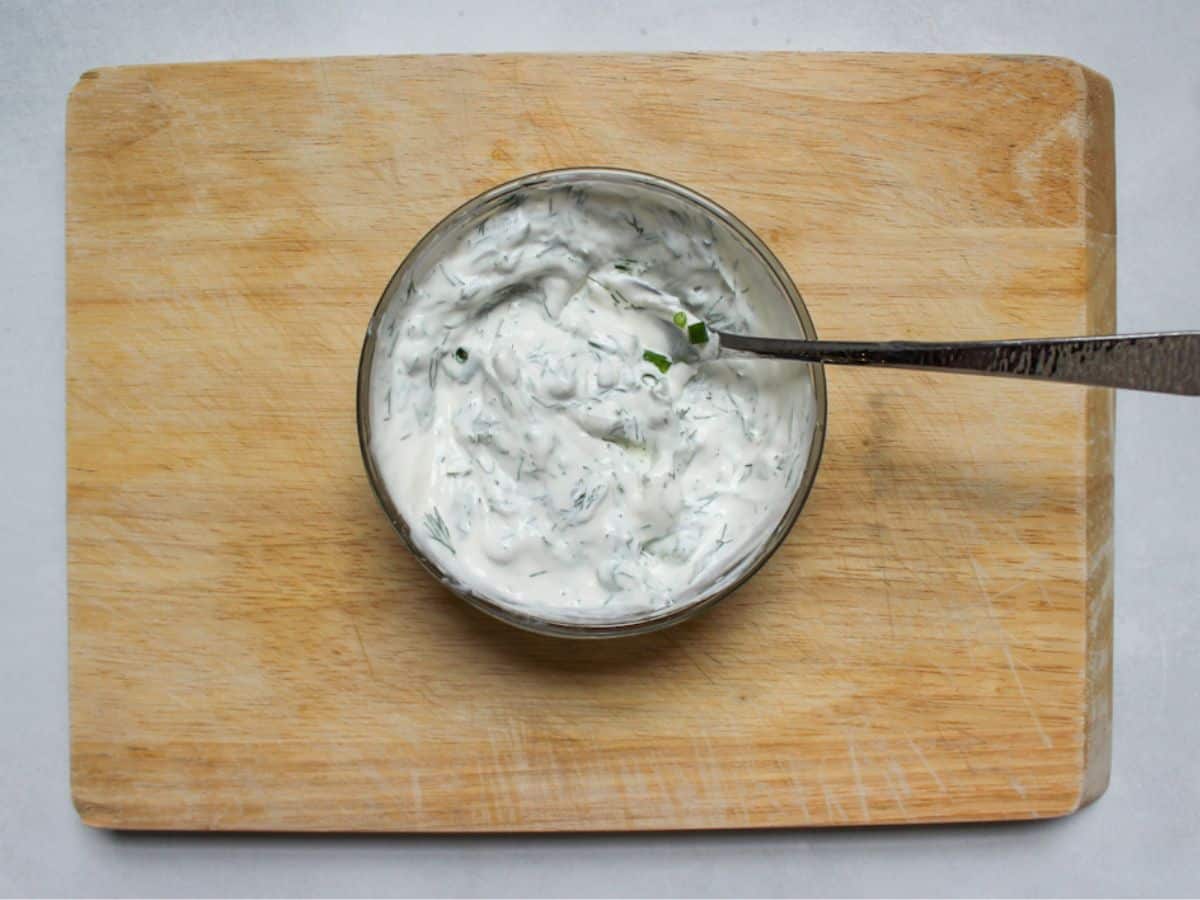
(466, 217)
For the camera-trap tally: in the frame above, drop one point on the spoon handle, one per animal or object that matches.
(1167, 362)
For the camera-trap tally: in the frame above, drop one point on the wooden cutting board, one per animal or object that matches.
(253, 648)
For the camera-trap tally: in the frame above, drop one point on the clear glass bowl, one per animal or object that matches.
(464, 218)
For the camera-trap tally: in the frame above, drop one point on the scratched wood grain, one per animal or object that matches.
(252, 648)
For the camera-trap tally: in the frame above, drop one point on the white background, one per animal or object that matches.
(1142, 837)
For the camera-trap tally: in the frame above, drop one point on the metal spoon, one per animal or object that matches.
(1167, 362)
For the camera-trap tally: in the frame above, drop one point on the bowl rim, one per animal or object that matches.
(665, 618)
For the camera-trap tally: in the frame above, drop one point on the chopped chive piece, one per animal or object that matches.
(698, 333)
(657, 360)
(680, 319)
(461, 354)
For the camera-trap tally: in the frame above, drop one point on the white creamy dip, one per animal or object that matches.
(522, 424)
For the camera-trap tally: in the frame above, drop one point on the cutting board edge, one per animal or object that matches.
(1101, 261)
(1057, 61)
(108, 818)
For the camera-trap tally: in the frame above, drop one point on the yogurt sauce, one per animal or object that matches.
(524, 426)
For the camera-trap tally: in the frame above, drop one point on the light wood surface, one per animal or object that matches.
(252, 647)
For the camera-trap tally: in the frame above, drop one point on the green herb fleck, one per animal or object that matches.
(660, 362)
(461, 354)
(721, 541)
(617, 297)
(436, 526)
(698, 333)
(680, 319)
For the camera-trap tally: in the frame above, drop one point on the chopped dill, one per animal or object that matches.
(436, 526)
(721, 541)
(617, 297)
(620, 299)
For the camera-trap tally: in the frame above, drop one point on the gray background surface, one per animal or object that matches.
(1143, 837)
